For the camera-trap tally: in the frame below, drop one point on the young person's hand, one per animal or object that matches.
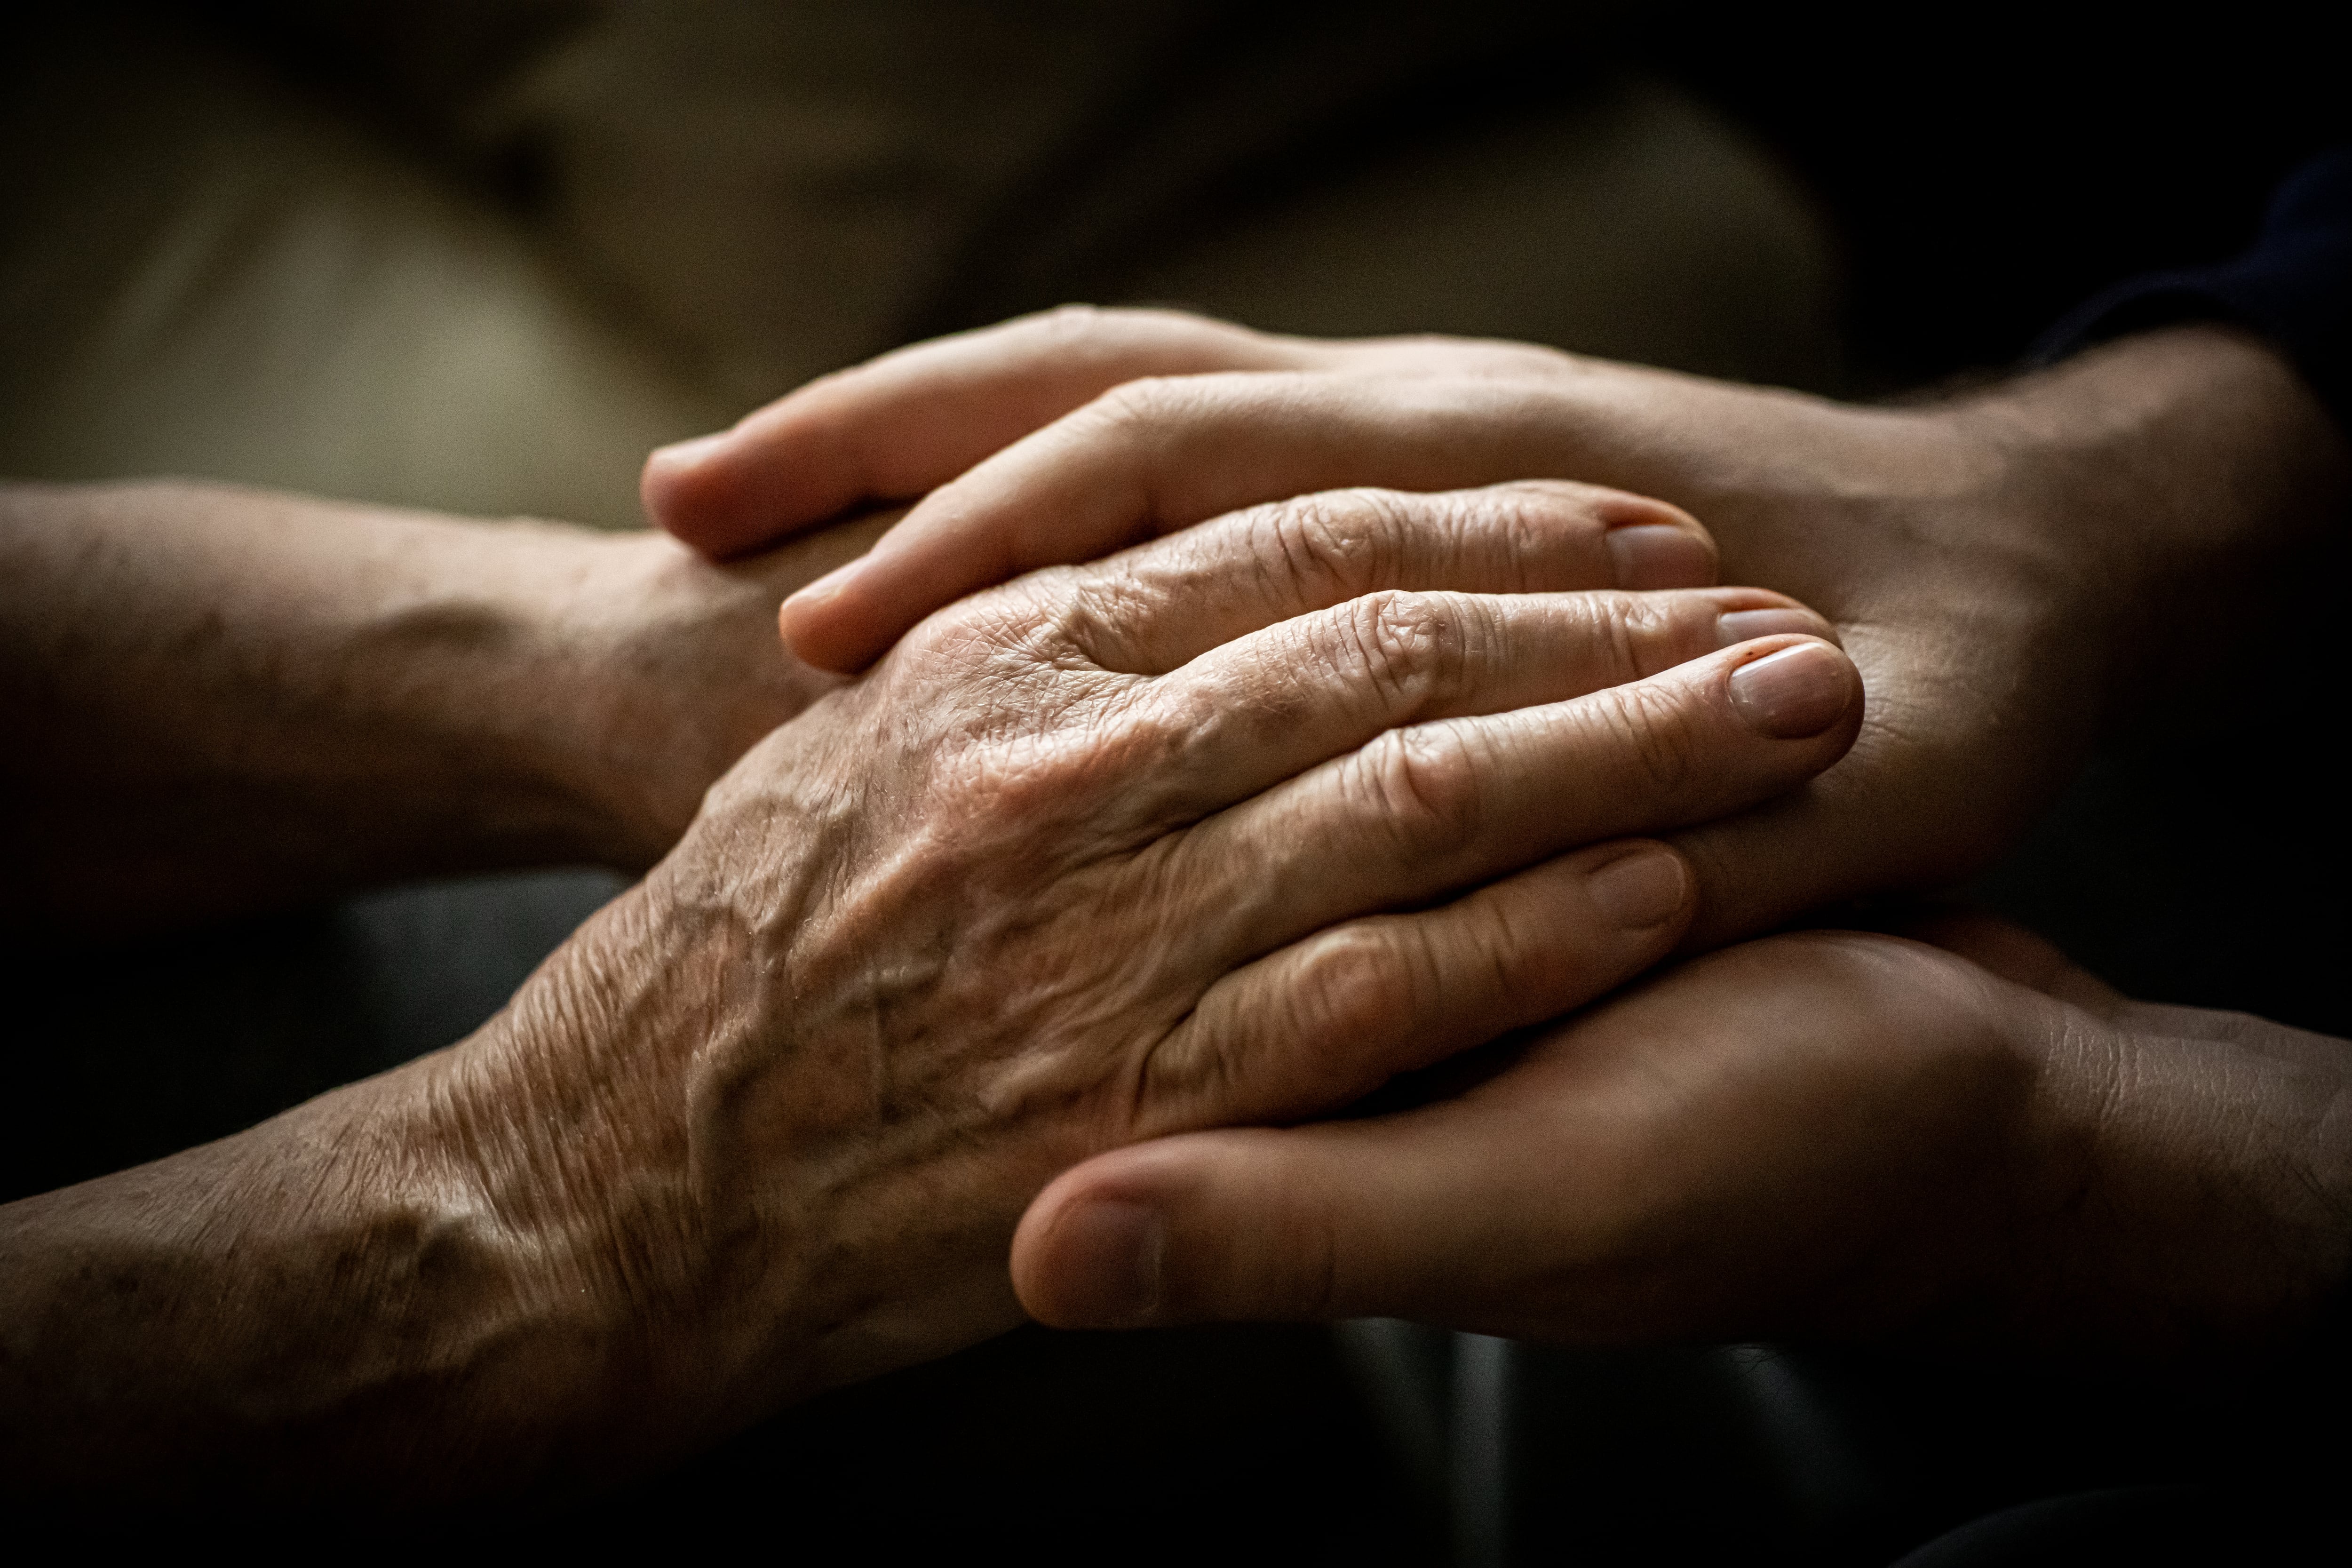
(1821, 1134)
(2002, 567)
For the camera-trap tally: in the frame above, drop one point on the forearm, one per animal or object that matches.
(496, 1270)
(220, 699)
(412, 1288)
(311, 1308)
(224, 698)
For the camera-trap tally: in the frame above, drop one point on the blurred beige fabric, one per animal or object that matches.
(483, 257)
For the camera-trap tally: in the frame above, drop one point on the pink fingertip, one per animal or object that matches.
(686, 454)
(683, 491)
(813, 622)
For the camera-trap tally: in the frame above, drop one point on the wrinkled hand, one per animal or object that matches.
(1820, 1134)
(1999, 566)
(1228, 829)
(1225, 830)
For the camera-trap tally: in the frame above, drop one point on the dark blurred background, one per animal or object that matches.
(483, 256)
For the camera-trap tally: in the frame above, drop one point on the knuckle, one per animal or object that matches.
(1498, 955)
(1144, 404)
(1081, 320)
(1069, 325)
(1013, 632)
(1634, 629)
(1408, 645)
(1342, 540)
(1424, 785)
(1357, 981)
(1108, 337)
(1206, 400)
(1520, 523)
(1013, 770)
(1513, 361)
(1098, 611)
(1316, 1044)
(1182, 1074)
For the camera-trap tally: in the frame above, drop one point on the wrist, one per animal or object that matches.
(562, 1123)
(673, 671)
(595, 1116)
(2173, 471)
(2190, 1182)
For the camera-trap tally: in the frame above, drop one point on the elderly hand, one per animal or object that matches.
(1814, 1134)
(2000, 566)
(1227, 829)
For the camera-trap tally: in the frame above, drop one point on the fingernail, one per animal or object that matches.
(1796, 692)
(810, 594)
(1654, 555)
(686, 454)
(1746, 625)
(1640, 890)
(1114, 1252)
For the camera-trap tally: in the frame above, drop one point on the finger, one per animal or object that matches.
(1269, 709)
(1153, 456)
(1150, 609)
(1423, 811)
(1697, 1156)
(1327, 1020)
(1384, 1217)
(903, 424)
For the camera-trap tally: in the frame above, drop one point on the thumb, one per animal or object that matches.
(1334, 1220)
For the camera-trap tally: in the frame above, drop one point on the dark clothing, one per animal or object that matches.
(2294, 286)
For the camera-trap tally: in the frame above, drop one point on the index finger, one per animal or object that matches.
(898, 425)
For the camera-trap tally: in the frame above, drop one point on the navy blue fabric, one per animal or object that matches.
(2295, 286)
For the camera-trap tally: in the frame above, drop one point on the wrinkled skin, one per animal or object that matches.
(1102, 873)
(1225, 830)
